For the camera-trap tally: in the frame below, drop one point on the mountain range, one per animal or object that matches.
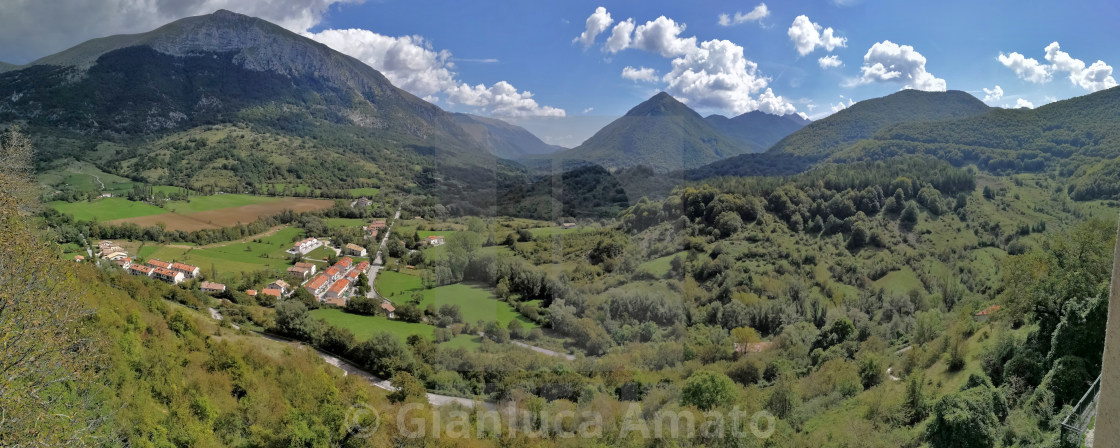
(666, 135)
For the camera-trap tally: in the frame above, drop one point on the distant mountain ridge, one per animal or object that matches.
(666, 135)
(503, 139)
(4, 66)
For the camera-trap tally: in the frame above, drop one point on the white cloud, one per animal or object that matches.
(501, 99)
(841, 106)
(1026, 68)
(60, 24)
(756, 15)
(412, 64)
(639, 74)
(993, 94)
(662, 36)
(620, 37)
(807, 36)
(1021, 103)
(1093, 78)
(830, 61)
(597, 22)
(889, 62)
(588, 110)
(710, 75)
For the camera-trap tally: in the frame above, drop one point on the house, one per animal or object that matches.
(333, 272)
(389, 309)
(124, 263)
(371, 234)
(435, 240)
(362, 267)
(353, 275)
(212, 287)
(337, 289)
(251, 292)
(376, 224)
(302, 273)
(316, 285)
(113, 253)
(153, 263)
(568, 225)
(306, 245)
(986, 313)
(362, 202)
(344, 263)
(79, 258)
(356, 250)
(168, 275)
(187, 270)
(309, 266)
(273, 292)
(139, 269)
(283, 286)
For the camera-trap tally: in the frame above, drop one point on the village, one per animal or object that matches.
(334, 285)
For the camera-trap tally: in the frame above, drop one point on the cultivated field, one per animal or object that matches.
(225, 217)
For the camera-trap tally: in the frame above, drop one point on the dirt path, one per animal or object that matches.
(264, 234)
(545, 351)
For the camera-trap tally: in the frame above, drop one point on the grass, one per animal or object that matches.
(336, 223)
(471, 342)
(364, 327)
(357, 192)
(661, 266)
(475, 302)
(321, 252)
(106, 209)
(218, 202)
(900, 282)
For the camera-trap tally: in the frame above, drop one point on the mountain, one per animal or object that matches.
(4, 67)
(503, 139)
(236, 103)
(865, 118)
(757, 130)
(661, 133)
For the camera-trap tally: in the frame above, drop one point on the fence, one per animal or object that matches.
(1076, 424)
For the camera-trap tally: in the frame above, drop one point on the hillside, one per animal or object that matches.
(4, 66)
(756, 129)
(661, 133)
(864, 119)
(235, 103)
(503, 139)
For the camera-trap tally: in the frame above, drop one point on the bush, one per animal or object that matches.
(706, 390)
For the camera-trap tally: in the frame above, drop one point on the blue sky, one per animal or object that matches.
(487, 57)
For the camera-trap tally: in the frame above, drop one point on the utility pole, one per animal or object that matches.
(1107, 427)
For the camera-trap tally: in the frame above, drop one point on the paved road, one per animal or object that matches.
(378, 261)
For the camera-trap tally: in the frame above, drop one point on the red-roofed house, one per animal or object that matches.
(333, 272)
(159, 264)
(296, 271)
(124, 263)
(309, 266)
(317, 284)
(356, 250)
(212, 287)
(139, 269)
(283, 286)
(344, 263)
(168, 275)
(79, 258)
(353, 275)
(363, 266)
(187, 270)
(337, 289)
(986, 313)
(435, 240)
(251, 292)
(388, 307)
(273, 292)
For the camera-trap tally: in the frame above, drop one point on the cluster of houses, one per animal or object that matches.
(332, 285)
(303, 247)
(374, 228)
(170, 272)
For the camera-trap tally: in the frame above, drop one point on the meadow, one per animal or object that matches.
(475, 302)
(365, 326)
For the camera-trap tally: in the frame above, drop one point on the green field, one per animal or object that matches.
(321, 253)
(471, 342)
(106, 209)
(217, 202)
(335, 223)
(357, 192)
(900, 282)
(236, 257)
(661, 266)
(83, 176)
(475, 302)
(365, 326)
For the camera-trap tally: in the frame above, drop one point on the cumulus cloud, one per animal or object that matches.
(412, 64)
(1021, 103)
(58, 25)
(620, 37)
(887, 61)
(711, 75)
(1026, 68)
(841, 106)
(1097, 76)
(993, 94)
(596, 23)
(807, 36)
(639, 74)
(1094, 77)
(501, 99)
(830, 61)
(756, 15)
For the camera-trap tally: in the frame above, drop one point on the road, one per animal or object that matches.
(545, 351)
(378, 261)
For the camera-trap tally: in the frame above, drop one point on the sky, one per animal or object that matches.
(563, 69)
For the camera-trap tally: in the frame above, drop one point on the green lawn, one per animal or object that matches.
(335, 223)
(365, 326)
(321, 252)
(364, 191)
(106, 209)
(217, 202)
(660, 266)
(900, 282)
(475, 302)
(470, 342)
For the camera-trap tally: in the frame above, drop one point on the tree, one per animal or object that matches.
(915, 403)
(495, 332)
(502, 290)
(292, 319)
(408, 388)
(409, 313)
(706, 390)
(516, 329)
(728, 223)
(745, 335)
(967, 419)
(909, 216)
(871, 371)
